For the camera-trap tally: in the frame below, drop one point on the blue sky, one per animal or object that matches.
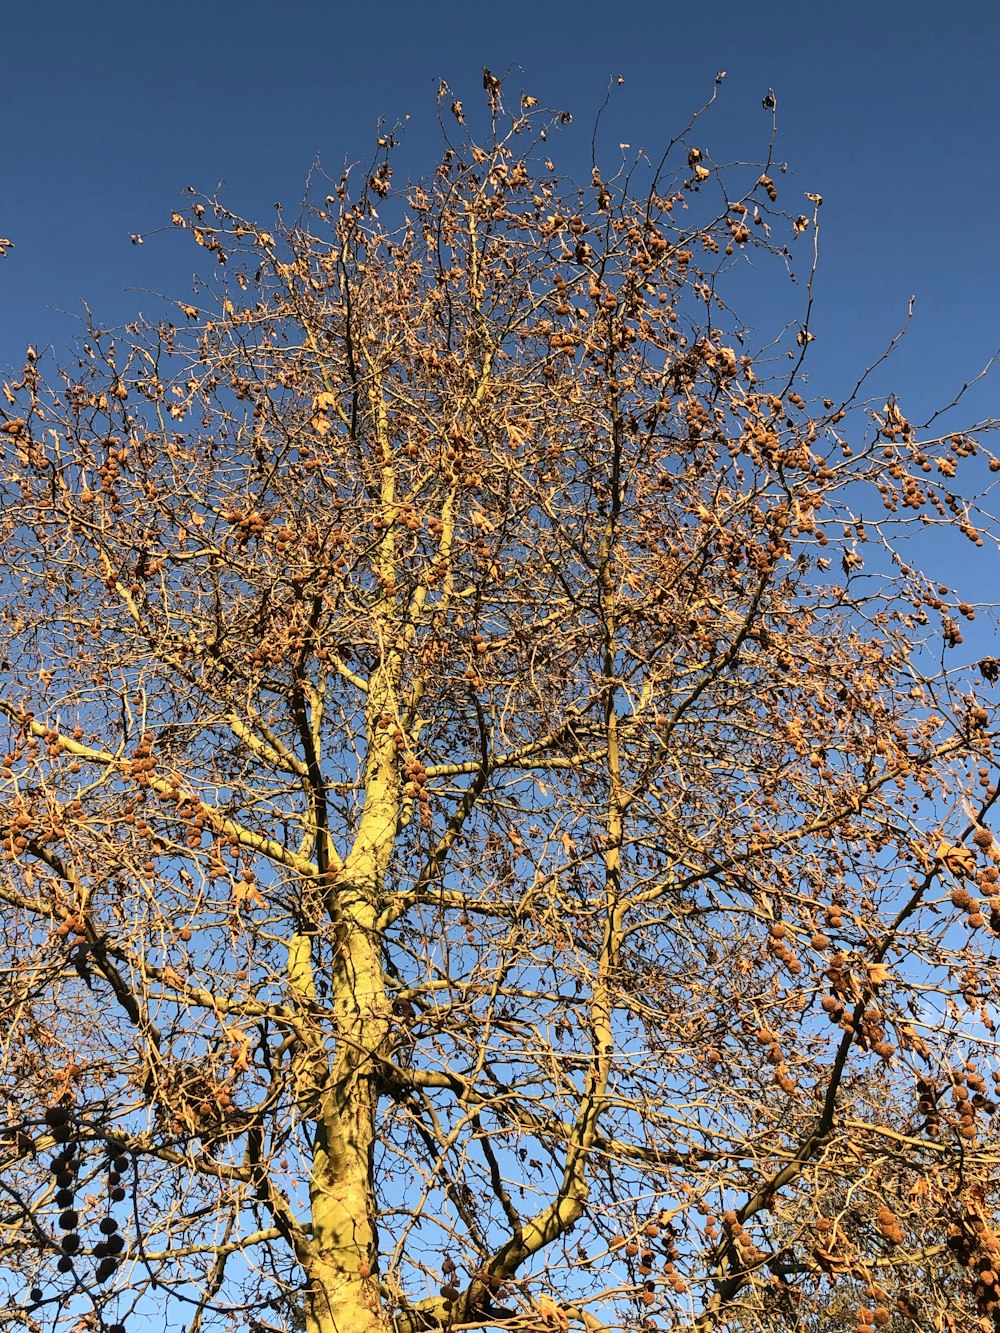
(888, 109)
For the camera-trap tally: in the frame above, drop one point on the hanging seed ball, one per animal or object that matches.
(65, 1179)
(70, 1243)
(64, 1199)
(109, 1226)
(104, 1269)
(36, 1294)
(114, 1178)
(114, 1244)
(120, 1164)
(65, 1264)
(117, 1194)
(56, 1115)
(69, 1219)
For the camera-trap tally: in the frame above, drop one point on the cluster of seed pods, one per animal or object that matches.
(66, 1166)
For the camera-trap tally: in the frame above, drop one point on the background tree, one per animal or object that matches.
(490, 838)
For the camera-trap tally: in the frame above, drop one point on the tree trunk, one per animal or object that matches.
(341, 1267)
(343, 1295)
(339, 1302)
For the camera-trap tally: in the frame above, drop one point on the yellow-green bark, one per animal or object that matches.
(343, 1295)
(342, 1259)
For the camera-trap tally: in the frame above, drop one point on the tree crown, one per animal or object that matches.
(488, 826)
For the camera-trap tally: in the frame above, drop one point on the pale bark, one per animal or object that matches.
(341, 1260)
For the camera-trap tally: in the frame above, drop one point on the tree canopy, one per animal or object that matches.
(492, 833)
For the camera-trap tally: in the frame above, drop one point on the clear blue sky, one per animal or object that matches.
(888, 109)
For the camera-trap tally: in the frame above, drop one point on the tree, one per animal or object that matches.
(491, 837)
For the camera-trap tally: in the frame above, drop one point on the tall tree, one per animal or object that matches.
(489, 831)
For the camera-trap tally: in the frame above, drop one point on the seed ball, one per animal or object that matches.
(35, 1294)
(104, 1269)
(114, 1178)
(109, 1226)
(56, 1115)
(64, 1199)
(120, 1164)
(114, 1244)
(117, 1194)
(70, 1243)
(65, 1264)
(69, 1219)
(100, 1250)
(62, 1133)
